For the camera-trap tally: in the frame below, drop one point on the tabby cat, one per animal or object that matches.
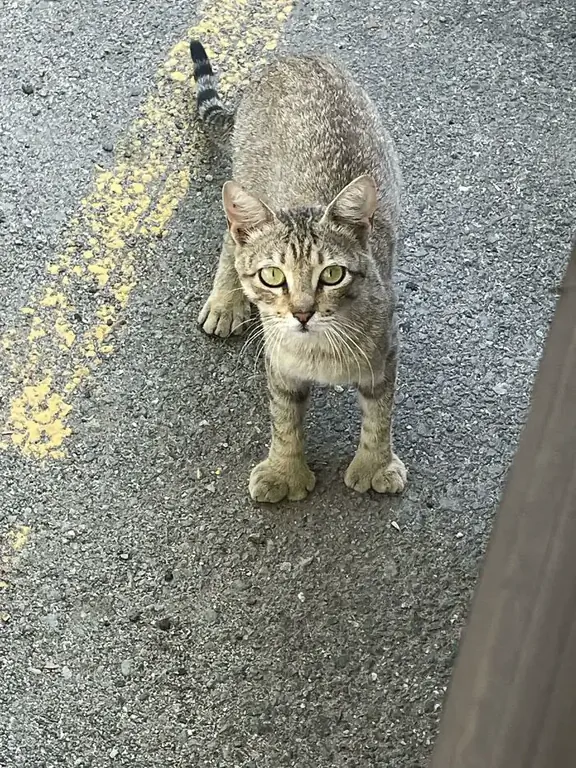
(312, 230)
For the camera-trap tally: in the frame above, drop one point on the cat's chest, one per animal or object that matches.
(323, 365)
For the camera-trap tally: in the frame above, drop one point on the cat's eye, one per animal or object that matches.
(332, 275)
(273, 277)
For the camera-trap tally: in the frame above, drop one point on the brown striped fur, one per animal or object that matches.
(316, 184)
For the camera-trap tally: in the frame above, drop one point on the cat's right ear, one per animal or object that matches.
(356, 204)
(244, 212)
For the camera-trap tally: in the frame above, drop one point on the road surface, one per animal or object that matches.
(151, 614)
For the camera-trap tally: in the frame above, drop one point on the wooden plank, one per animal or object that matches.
(512, 699)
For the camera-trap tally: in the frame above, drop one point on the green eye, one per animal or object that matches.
(332, 275)
(272, 277)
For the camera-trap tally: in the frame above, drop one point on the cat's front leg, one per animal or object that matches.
(285, 473)
(375, 464)
(227, 310)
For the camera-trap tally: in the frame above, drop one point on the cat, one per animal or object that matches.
(313, 215)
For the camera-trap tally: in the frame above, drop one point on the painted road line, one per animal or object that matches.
(11, 547)
(68, 326)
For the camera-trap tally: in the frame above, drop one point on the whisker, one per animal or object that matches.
(341, 338)
(362, 352)
(356, 331)
(266, 325)
(337, 352)
(275, 353)
(256, 334)
(247, 322)
(258, 355)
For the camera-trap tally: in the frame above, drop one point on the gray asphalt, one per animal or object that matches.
(158, 616)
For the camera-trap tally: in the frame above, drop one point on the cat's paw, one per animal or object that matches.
(366, 472)
(273, 481)
(224, 316)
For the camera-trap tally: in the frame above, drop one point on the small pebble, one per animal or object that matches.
(108, 146)
(126, 667)
(28, 89)
(51, 621)
(66, 673)
(210, 615)
(164, 624)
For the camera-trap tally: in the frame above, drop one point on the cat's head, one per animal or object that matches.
(302, 267)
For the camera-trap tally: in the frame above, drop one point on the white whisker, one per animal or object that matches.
(334, 343)
(339, 333)
(358, 347)
(254, 336)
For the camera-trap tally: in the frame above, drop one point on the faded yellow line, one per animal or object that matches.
(11, 546)
(67, 327)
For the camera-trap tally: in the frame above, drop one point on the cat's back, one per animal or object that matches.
(305, 129)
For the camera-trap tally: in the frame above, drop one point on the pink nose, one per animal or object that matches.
(303, 317)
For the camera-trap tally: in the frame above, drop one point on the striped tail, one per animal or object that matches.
(211, 110)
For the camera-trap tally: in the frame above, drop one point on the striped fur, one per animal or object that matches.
(211, 110)
(316, 185)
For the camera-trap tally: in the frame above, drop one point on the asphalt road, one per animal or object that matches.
(151, 614)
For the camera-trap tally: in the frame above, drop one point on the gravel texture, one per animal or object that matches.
(159, 617)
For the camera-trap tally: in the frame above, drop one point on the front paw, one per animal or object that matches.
(273, 481)
(225, 314)
(367, 471)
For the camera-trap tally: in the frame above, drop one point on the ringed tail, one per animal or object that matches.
(211, 110)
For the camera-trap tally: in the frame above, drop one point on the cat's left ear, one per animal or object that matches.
(245, 212)
(356, 204)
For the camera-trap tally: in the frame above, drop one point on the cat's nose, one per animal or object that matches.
(303, 317)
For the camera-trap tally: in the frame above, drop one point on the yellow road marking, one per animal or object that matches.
(66, 328)
(11, 546)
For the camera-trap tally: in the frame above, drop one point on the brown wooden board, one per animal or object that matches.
(512, 699)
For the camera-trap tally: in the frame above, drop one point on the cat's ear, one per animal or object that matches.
(356, 204)
(244, 212)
